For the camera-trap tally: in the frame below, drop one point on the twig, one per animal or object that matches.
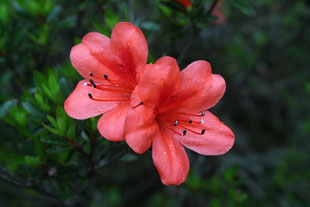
(104, 164)
(212, 7)
(18, 182)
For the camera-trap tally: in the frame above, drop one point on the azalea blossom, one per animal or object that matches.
(219, 12)
(175, 114)
(148, 104)
(184, 3)
(111, 69)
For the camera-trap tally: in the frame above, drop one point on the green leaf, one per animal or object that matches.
(31, 160)
(68, 22)
(53, 140)
(173, 5)
(68, 70)
(5, 108)
(244, 6)
(64, 85)
(129, 158)
(212, 17)
(111, 18)
(60, 112)
(71, 132)
(4, 12)
(54, 131)
(32, 110)
(52, 120)
(39, 98)
(59, 149)
(61, 124)
(48, 93)
(151, 26)
(101, 29)
(53, 14)
(150, 59)
(43, 35)
(39, 78)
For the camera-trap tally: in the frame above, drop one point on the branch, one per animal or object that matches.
(212, 7)
(20, 183)
(103, 164)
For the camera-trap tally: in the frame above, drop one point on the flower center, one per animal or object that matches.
(181, 122)
(108, 84)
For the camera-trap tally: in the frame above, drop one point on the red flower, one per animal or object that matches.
(111, 69)
(184, 3)
(146, 105)
(218, 11)
(174, 114)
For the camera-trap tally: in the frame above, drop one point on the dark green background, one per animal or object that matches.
(261, 49)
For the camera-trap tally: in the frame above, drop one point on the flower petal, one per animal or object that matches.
(94, 55)
(159, 82)
(111, 124)
(140, 128)
(79, 106)
(130, 48)
(170, 158)
(217, 139)
(199, 89)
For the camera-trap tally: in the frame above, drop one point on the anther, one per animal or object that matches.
(202, 113)
(184, 132)
(190, 121)
(106, 76)
(92, 82)
(141, 103)
(91, 74)
(176, 123)
(90, 96)
(203, 131)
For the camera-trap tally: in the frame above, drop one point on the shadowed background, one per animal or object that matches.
(260, 47)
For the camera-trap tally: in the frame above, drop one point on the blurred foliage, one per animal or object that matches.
(262, 50)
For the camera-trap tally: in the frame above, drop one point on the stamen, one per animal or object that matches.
(106, 77)
(97, 99)
(104, 87)
(92, 82)
(170, 128)
(186, 114)
(181, 122)
(113, 82)
(112, 89)
(188, 129)
(124, 90)
(180, 119)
